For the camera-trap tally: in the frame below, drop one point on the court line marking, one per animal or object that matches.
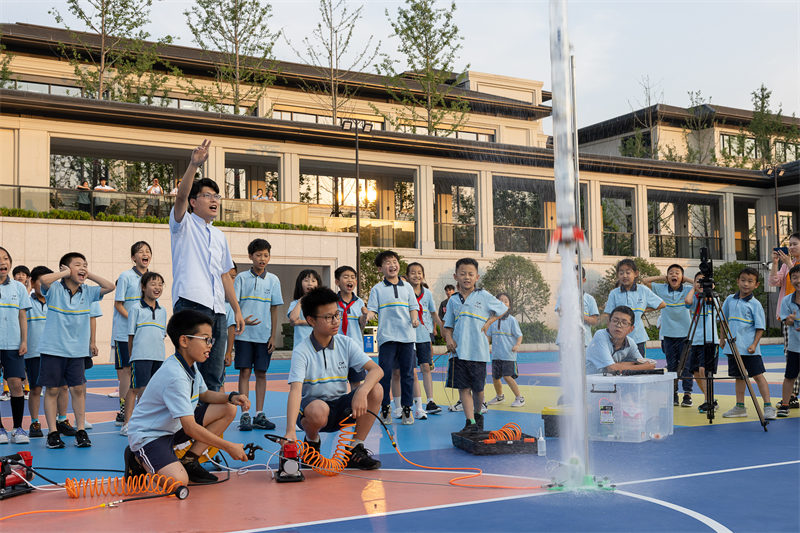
(710, 522)
(710, 472)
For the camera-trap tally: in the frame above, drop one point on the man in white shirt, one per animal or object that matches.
(201, 261)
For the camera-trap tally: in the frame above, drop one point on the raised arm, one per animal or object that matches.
(199, 156)
(105, 285)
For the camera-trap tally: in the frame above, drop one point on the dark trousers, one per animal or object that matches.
(673, 347)
(213, 369)
(400, 355)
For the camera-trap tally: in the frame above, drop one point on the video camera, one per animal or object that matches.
(707, 269)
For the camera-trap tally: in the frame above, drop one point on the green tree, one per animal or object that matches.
(238, 32)
(429, 43)
(725, 282)
(609, 280)
(124, 66)
(524, 283)
(5, 66)
(370, 275)
(643, 143)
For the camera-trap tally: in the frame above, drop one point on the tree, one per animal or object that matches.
(725, 282)
(644, 141)
(429, 43)
(370, 274)
(238, 30)
(522, 280)
(609, 280)
(5, 66)
(123, 66)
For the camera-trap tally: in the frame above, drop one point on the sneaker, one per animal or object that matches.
(484, 408)
(770, 413)
(519, 401)
(3, 436)
(362, 459)
(120, 415)
(261, 422)
(315, 445)
(793, 402)
(675, 401)
(386, 415)
(456, 407)
(479, 421)
(245, 422)
(432, 408)
(35, 430)
(407, 418)
(5, 396)
(497, 399)
(783, 410)
(704, 407)
(132, 466)
(65, 428)
(737, 411)
(420, 414)
(114, 394)
(198, 474)
(687, 400)
(124, 430)
(18, 436)
(469, 427)
(54, 440)
(27, 394)
(398, 412)
(86, 425)
(82, 439)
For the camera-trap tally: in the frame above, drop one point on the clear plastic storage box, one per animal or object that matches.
(629, 408)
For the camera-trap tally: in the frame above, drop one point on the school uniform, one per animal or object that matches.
(674, 328)
(13, 299)
(128, 291)
(601, 352)
(504, 334)
(745, 316)
(638, 298)
(425, 330)
(589, 309)
(148, 326)
(257, 294)
(302, 331)
(350, 326)
(36, 317)
(789, 305)
(704, 341)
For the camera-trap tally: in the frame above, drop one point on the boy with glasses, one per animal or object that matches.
(612, 349)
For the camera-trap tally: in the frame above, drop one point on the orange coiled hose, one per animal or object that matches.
(333, 466)
(121, 486)
(510, 431)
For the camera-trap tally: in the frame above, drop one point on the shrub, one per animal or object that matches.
(524, 283)
(536, 332)
(370, 275)
(609, 280)
(725, 276)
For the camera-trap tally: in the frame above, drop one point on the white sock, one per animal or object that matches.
(356, 442)
(418, 402)
(260, 413)
(396, 403)
(314, 440)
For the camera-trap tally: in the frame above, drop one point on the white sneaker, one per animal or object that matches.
(124, 430)
(456, 407)
(3, 436)
(5, 397)
(735, 412)
(497, 399)
(484, 408)
(408, 419)
(398, 412)
(86, 424)
(519, 401)
(114, 394)
(385, 416)
(18, 436)
(770, 413)
(420, 414)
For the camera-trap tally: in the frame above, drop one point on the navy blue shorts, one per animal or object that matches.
(13, 364)
(251, 355)
(752, 363)
(160, 452)
(121, 355)
(32, 371)
(703, 355)
(55, 371)
(502, 368)
(356, 376)
(142, 370)
(424, 354)
(463, 374)
(339, 410)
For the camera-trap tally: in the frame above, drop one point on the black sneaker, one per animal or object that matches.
(675, 401)
(198, 474)
(469, 427)
(704, 407)
(35, 430)
(262, 422)
(54, 441)
(120, 420)
(479, 421)
(783, 409)
(65, 428)
(132, 466)
(432, 408)
(793, 402)
(687, 400)
(82, 439)
(361, 458)
(245, 422)
(315, 445)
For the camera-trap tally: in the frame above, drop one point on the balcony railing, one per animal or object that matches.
(618, 243)
(450, 236)
(684, 246)
(747, 250)
(521, 239)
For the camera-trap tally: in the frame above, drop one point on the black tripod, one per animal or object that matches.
(709, 303)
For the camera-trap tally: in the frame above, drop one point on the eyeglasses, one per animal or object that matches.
(330, 319)
(618, 322)
(208, 340)
(210, 196)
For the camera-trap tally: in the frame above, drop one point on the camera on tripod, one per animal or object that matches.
(707, 270)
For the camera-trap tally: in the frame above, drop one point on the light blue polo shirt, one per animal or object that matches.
(37, 315)
(427, 308)
(173, 392)
(67, 327)
(323, 369)
(302, 332)
(392, 303)
(504, 334)
(675, 317)
(600, 353)
(148, 326)
(707, 320)
(13, 299)
(745, 316)
(466, 317)
(128, 291)
(589, 309)
(638, 299)
(788, 306)
(351, 312)
(257, 295)
(230, 316)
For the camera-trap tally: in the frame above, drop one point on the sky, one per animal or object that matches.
(725, 50)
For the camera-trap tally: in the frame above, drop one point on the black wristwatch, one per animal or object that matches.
(231, 395)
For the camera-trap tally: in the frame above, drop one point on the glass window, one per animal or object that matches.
(467, 135)
(33, 87)
(454, 211)
(324, 120)
(618, 220)
(305, 117)
(65, 90)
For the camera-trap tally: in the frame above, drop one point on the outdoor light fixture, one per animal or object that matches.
(355, 125)
(347, 125)
(775, 173)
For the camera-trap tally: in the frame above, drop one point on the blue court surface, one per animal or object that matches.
(727, 476)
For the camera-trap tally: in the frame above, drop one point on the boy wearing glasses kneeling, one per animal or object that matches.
(612, 349)
(168, 413)
(318, 397)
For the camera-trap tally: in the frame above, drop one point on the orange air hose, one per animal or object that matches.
(121, 486)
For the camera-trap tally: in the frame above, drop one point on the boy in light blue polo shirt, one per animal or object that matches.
(675, 321)
(746, 320)
(790, 315)
(470, 312)
(65, 341)
(126, 296)
(147, 327)
(259, 295)
(591, 314)
(613, 349)
(36, 320)
(634, 295)
(14, 302)
(177, 407)
(394, 303)
(506, 338)
(354, 314)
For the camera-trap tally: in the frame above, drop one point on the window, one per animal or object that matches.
(786, 152)
(617, 208)
(454, 211)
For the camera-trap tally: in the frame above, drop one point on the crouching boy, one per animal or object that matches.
(168, 413)
(318, 397)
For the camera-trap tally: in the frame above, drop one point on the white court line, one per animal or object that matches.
(710, 522)
(710, 472)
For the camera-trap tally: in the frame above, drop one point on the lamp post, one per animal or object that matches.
(355, 125)
(775, 173)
